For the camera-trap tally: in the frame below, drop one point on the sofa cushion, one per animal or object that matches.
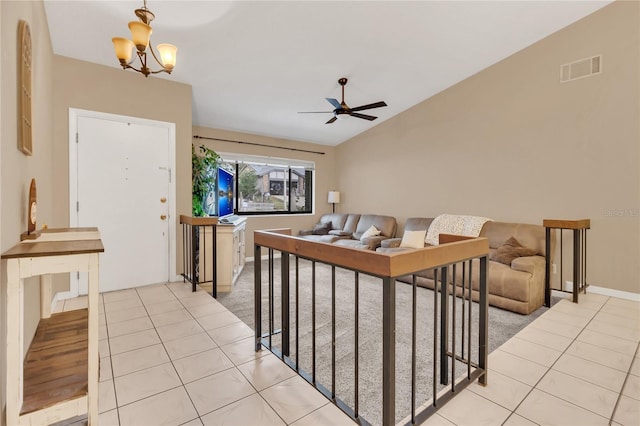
(528, 235)
(321, 228)
(386, 224)
(510, 250)
(371, 232)
(413, 239)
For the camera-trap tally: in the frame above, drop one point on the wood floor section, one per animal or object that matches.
(55, 369)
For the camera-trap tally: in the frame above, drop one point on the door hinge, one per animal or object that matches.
(77, 206)
(77, 138)
(169, 175)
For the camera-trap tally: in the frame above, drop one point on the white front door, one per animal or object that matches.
(123, 186)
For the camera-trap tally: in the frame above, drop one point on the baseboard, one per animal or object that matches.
(614, 293)
(604, 291)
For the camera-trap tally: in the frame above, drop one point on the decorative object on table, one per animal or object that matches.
(334, 198)
(25, 142)
(204, 163)
(342, 110)
(32, 213)
(141, 35)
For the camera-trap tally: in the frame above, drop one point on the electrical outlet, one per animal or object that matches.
(554, 268)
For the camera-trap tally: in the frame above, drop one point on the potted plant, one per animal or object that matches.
(204, 162)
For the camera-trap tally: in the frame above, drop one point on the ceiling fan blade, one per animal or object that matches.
(331, 120)
(334, 102)
(315, 112)
(370, 106)
(366, 117)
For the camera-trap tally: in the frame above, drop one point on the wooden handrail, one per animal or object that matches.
(198, 221)
(372, 262)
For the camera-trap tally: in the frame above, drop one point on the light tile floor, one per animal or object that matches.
(173, 357)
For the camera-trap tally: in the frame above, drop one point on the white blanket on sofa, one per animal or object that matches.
(469, 226)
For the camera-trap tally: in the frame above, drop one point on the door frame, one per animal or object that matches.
(74, 115)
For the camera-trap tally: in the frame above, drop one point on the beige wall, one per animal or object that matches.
(325, 174)
(17, 169)
(514, 144)
(88, 86)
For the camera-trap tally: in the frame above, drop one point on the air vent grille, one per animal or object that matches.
(581, 69)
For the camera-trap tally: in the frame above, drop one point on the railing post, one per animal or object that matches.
(444, 329)
(257, 293)
(483, 330)
(285, 295)
(214, 262)
(194, 261)
(388, 351)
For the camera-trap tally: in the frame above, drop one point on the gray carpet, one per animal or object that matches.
(502, 326)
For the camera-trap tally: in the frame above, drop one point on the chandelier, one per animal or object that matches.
(140, 36)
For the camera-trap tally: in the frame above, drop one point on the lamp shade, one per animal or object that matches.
(168, 54)
(334, 197)
(124, 48)
(140, 34)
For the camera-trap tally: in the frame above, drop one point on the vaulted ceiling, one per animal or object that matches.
(254, 65)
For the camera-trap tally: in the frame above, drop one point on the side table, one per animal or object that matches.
(579, 228)
(29, 401)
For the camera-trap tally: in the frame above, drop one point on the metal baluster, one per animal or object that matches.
(464, 275)
(434, 373)
(333, 333)
(284, 304)
(313, 321)
(444, 330)
(388, 351)
(413, 350)
(257, 292)
(356, 345)
(297, 312)
(453, 331)
(483, 332)
(470, 319)
(271, 302)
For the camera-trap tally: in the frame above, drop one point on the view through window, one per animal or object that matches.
(266, 185)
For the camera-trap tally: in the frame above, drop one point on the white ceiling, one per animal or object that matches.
(254, 64)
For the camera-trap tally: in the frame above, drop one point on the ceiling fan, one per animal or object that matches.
(342, 108)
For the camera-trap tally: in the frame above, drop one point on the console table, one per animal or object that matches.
(35, 390)
(579, 228)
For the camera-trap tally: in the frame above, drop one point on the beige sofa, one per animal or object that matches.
(347, 229)
(517, 286)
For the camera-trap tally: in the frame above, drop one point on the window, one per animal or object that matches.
(267, 185)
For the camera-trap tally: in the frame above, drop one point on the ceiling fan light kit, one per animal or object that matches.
(342, 110)
(141, 39)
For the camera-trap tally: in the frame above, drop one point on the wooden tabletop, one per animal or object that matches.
(53, 248)
(567, 224)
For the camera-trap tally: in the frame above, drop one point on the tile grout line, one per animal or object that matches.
(573, 340)
(615, 407)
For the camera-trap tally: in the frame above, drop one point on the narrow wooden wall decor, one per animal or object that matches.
(25, 142)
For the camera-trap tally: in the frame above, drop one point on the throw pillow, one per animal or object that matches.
(413, 239)
(510, 250)
(321, 228)
(371, 232)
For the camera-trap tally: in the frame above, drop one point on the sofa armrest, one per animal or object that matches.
(374, 242)
(391, 243)
(528, 264)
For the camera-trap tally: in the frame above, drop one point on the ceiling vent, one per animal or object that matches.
(580, 69)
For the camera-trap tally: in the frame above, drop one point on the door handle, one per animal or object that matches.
(163, 200)
(163, 216)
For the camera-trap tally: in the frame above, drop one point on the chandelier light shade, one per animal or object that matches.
(141, 41)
